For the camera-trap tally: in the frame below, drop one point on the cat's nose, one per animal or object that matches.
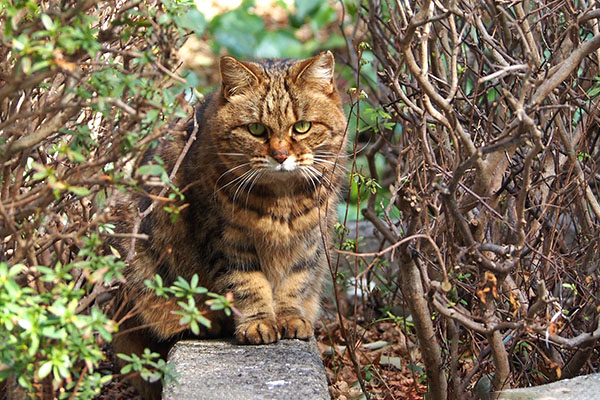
(279, 155)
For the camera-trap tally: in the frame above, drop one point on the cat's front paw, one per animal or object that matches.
(295, 327)
(260, 331)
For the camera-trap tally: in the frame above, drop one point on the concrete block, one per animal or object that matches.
(223, 370)
(586, 387)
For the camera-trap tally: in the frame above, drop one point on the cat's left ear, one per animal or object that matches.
(238, 76)
(317, 71)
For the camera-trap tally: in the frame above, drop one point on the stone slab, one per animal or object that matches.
(585, 387)
(222, 370)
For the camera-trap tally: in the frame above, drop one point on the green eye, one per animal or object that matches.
(257, 129)
(302, 127)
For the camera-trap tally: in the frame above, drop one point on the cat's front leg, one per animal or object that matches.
(255, 323)
(297, 298)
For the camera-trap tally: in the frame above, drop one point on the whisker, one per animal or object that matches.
(256, 179)
(231, 154)
(227, 172)
(358, 151)
(243, 184)
(309, 177)
(240, 186)
(336, 164)
(319, 173)
(329, 168)
(332, 155)
(315, 174)
(245, 174)
(325, 159)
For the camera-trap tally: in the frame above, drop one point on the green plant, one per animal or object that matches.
(45, 335)
(189, 292)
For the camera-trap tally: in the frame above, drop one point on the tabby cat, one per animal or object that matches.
(260, 181)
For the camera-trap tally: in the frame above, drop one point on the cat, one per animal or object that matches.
(261, 183)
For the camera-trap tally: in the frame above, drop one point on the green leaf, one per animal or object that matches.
(594, 92)
(26, 65)
(204, 321)
(194, 327)
(469, 86)
(15, 270)
(164, 19)
(125, 357)
(47, 22)
(40, 65)
(76, 156)
(239, 32)
(45, 369)
(151, 116)
(19, 43)
(53, 333)
(34, 345)
(25, 324)
(79, 191)
(192, 20)
(492, 95)
(152, 170)
(126, 369)
(63, 370)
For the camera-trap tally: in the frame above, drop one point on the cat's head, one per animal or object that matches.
(280, 118)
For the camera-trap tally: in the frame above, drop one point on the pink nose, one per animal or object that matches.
(279, 155)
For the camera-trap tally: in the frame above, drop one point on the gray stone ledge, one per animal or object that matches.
(585, 387)
(222, 370)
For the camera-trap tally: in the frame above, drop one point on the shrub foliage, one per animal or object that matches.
(85, 87)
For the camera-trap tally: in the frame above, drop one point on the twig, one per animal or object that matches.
(504, 71)
(143, 214)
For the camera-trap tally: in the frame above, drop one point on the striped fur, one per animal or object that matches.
(248, 228)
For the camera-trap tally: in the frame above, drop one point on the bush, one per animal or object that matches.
(480, 123)
(85, 89)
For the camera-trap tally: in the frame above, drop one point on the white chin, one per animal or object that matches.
(285, 167)
(290, 164)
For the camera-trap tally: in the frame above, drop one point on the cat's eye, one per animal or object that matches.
(301, 127)
(257, 129)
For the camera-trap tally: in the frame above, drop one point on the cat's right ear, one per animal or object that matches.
(237, 76)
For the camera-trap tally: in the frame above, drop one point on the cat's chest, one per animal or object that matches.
(276, 220)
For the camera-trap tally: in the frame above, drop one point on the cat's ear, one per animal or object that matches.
(237, 76)
(317, 71)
